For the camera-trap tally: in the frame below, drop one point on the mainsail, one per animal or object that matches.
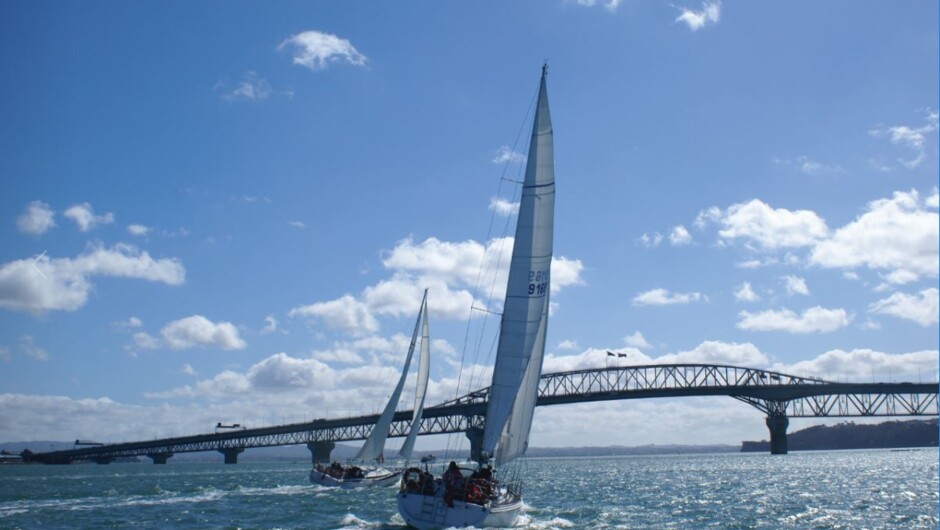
(525, 311)
(375, 443)
(424, 365)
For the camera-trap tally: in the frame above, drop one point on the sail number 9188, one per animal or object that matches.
(538, 282)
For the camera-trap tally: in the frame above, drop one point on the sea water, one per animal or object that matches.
(824, 490)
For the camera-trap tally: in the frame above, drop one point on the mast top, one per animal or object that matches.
(545, 69)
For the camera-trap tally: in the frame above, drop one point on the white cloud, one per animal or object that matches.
(770, 228)
(270, 325)
(298, 224)
(145, 341)
(197, 330)
(914, 138)
(568, 345)
(664, 297)
(36, 219)
(449, 270)
(138, 230)
(186, 369)
(813, 320)
(85, 217)
(921, 308)
(704, 217)
(650, 240)
(503, 207)
(744, 293)
(680, 236)
(850, 275)
(506, 154)
(316, 50)
(609, 5)
(717, 352)
(29, 347)
(636, 341)
(130, 323)
(934, 200)
(43, 284)
(866, 365)
(795, 285)
(811, 167)
(896, 234)
(345, 314)
(695, 20)
(250, 88)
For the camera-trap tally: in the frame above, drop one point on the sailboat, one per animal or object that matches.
(353, 476)
(481, 500)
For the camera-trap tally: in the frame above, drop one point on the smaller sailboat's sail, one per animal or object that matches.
(375, 443)
(424, 365)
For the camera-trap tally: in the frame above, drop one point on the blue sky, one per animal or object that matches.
(227, 211)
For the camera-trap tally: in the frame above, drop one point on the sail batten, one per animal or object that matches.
(375, 443)
(525, 311)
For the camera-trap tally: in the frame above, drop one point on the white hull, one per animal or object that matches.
(378, 477)
(429, 512)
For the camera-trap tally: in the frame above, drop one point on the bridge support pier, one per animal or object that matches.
(159, 458)
(475, 435)
(778, 434)
(103, 460)
(231, 454)
(320, 451)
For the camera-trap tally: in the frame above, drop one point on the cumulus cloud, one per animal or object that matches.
(696, 20)
(568, 345)
(866, 364)
(138, 230)
(744, 293)
(664, 297)
(44, 284)
(186, 369)
(450, 270)
(344, 314)
(197, 330)
(795, 285)
(914, 138)
(896, 234)
(36, 219)
(130, 323)
(679, 236)
(503, 207)
(85, 217)
(298, 224)
(813, 320)
(810, 167)
(506, 154)
(316, 50)
(755, 222)
(636, 341)
(145, 341)
(921, 308)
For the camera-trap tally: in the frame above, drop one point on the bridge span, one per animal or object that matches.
(777, 395)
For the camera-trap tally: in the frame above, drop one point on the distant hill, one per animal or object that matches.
(887, 435)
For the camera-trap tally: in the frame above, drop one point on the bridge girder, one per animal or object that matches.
(774, 393)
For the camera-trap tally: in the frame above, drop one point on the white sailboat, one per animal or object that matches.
(337, 475)
(480, 500)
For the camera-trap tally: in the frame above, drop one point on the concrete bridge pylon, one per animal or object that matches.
(320, 451)
(777, 424)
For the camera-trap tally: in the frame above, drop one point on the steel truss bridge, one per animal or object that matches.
(779, 396)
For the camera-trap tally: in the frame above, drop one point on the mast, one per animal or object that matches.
(525, 311)
(375, 443)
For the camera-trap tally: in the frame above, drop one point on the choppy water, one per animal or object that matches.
(824, 490)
